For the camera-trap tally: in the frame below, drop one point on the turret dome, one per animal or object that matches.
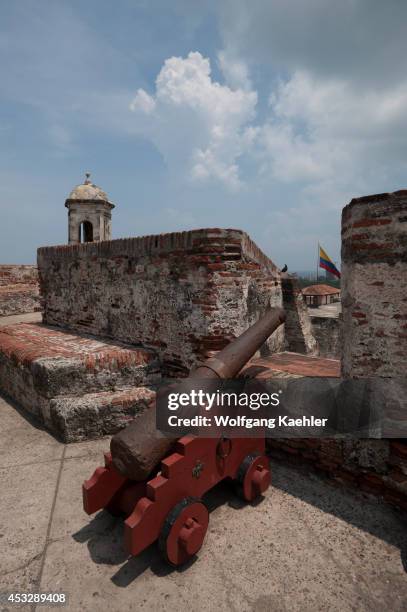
(88, 191)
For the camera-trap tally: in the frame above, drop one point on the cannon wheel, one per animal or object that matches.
(253, 476)
(184, 530)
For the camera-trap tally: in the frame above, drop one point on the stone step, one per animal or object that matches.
(96, 414)
(54, 362)
(76, 385)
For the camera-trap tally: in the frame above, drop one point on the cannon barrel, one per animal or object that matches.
(138, 449)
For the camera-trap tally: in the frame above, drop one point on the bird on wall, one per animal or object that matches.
(284, 269)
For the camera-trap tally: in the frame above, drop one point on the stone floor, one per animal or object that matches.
(306, 546)
(294, 363)
(326, 310)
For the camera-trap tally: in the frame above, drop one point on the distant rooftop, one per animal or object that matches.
(320, 290)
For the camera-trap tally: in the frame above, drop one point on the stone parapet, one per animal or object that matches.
(300, 337)
(185, 294)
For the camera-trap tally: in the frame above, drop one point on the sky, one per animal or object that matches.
(262, 115)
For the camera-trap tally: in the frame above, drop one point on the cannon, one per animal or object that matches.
(157, 483)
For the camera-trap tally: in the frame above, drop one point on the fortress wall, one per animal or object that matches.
(185, 294)
(300, 337)
(19, 291)
(11, 274)
(374, 345)
(374, 286)
(327, 332)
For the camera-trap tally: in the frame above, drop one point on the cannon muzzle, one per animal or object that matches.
(230, 360)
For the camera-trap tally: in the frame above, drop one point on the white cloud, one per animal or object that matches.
(336, 107)
(198, 124)
(234, 70)
(143, 102)
(323, 130)
(327, 143)
(320, 133)
(337, 120)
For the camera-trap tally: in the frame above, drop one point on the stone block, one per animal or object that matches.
(40, 366)
(96, 414)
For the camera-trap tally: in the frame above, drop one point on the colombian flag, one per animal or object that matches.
(327, 263)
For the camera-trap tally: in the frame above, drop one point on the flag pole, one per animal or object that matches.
(317, 262)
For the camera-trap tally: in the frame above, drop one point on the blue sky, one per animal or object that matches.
(265, 115)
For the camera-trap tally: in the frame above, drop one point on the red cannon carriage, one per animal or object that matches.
(168, 508)
(161, 498)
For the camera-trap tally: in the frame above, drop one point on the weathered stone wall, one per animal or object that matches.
(327, 332)
(374, 306)
(299, 334)
(19, 292)
(184, 294)
(374, 332)
(374, 286)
